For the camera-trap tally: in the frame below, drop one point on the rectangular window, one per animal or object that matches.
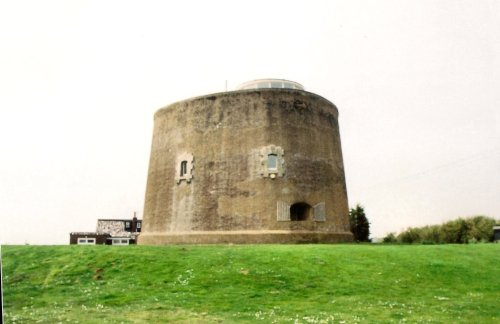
(138, 225)
(119, 242)
(86, 241)
(272, 162)
(183, 168)
(127, 225)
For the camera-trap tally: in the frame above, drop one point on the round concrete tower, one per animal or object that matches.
(262, 164)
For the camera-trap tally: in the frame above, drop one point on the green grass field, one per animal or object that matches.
(253, 283)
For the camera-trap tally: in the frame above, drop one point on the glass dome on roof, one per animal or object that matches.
(270, 83)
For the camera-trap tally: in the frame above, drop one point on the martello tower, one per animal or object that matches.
(262, 164)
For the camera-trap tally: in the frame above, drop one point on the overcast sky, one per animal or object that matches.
(417, 85)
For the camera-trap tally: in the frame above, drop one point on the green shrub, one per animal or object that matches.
(360, 227)
(411, 235)
(390, 238)
(462, 231)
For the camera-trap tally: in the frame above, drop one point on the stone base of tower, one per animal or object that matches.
(243, 237)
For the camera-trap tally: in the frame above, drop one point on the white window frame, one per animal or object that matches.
(272, 172)
(272, 161)
(86, 241)
(184, 167)
(120, 241)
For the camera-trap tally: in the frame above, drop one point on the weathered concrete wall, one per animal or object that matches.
(229, 193)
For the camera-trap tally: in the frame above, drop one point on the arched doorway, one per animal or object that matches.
(300, 211)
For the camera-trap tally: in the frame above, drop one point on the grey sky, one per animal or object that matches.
(416, 84)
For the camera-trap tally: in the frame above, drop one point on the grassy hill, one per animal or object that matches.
(253, 283)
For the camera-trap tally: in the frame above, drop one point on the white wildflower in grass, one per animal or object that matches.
(474, 294)
(441, 298)
(183, 279)
(259, 315)
(310, 319)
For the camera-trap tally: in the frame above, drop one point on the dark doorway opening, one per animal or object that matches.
(299, 211)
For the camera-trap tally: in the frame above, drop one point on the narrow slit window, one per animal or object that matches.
(183, 168)
(272, 162)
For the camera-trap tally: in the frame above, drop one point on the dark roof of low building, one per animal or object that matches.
(120, 220)
(88, 233)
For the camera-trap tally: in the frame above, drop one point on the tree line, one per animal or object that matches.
(462, 230)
